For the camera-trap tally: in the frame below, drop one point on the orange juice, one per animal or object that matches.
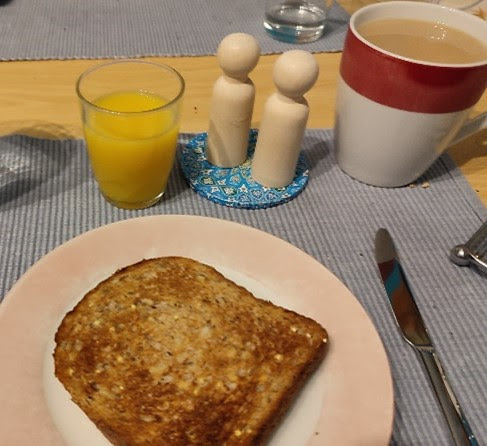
(131, 141)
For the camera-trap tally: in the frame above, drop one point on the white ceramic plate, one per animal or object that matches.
(348, 401)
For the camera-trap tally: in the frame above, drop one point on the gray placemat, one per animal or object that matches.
(47, 196)
(91, 29)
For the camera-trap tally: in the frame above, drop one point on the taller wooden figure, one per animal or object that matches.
(284, 120)
(232, 101)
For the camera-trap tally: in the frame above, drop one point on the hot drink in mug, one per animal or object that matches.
(410, 74)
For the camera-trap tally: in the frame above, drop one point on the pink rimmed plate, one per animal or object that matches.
(348, 401)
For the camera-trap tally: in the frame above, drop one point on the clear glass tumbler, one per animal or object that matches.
(131, 113)
(295, 21)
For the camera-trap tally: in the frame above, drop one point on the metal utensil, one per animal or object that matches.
(472, 252)
(409, 320)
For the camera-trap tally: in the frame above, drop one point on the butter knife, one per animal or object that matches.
(410, 322)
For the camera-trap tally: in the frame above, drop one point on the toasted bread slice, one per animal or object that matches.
(168, 352)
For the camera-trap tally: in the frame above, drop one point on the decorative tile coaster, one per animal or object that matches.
(234, 186)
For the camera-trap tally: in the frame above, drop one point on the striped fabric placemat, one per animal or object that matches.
(93, 29)
(48, 196)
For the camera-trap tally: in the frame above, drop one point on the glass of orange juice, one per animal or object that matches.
(131, 113)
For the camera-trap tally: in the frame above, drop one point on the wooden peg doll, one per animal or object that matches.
(232, 101)
(284, 120)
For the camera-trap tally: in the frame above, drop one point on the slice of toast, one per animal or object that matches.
(168, 352)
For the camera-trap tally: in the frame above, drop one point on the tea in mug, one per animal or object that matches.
(425, 41)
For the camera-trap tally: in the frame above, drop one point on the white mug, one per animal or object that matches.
(394, 115)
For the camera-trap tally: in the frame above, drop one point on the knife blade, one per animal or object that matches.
(414, 331)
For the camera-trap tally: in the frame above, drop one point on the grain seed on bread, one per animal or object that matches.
(168, 352)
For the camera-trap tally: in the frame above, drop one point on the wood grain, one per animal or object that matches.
(39, 98)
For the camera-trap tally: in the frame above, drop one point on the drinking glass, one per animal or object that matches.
(296, 21)
(131, 113)
(458, 4)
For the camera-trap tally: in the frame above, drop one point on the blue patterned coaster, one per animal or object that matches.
(234, 186)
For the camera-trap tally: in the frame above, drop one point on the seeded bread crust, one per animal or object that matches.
(168, 352)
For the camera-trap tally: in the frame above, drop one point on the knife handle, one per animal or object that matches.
(458, 424)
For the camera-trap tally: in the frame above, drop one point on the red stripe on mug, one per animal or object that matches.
(408, 85)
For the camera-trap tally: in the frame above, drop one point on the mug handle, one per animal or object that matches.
(470, 127)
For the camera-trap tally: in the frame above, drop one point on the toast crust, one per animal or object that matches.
(168, 352)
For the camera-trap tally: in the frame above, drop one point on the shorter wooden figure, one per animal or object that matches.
(232, 101)
(284, 120)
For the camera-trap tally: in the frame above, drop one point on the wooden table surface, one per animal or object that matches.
(37, 98)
